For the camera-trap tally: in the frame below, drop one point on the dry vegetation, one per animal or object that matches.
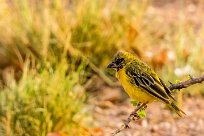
(53, 54)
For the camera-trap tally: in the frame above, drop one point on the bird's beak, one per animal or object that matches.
(112, 65)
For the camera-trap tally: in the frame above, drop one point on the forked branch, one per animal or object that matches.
(187, 83)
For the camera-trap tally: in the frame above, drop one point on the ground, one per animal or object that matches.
(159, 120)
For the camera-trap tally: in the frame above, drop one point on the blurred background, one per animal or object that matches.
(53, 58)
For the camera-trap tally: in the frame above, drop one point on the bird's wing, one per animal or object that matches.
(147, 82)
(166, 89)
(161, 83)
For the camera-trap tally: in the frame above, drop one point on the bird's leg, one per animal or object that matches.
(134, 114)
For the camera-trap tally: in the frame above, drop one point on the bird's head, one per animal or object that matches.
(120, 60)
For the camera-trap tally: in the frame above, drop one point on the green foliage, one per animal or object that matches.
(134, 102)
(45, 100)
(141, 113)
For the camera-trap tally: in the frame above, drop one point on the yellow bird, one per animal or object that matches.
(140, 82)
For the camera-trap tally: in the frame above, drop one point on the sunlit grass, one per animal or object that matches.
(42, 101)
(98, 29)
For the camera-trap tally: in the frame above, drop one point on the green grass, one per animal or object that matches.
(42, 101)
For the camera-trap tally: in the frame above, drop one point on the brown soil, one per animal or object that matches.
(158, 122)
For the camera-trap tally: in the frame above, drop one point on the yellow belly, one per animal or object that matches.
(133, 91)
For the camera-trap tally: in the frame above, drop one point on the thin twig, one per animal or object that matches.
(187, 83)
(132, 116)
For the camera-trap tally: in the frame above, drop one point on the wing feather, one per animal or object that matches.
(167, 89)
(148, 83)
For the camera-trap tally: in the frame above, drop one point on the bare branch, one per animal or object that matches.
(132, 116)
(187, 83)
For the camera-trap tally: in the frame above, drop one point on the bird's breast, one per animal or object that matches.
(135, 92)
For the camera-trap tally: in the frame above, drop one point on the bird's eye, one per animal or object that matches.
(118, 61)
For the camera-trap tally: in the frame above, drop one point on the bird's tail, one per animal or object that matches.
(175, 108)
